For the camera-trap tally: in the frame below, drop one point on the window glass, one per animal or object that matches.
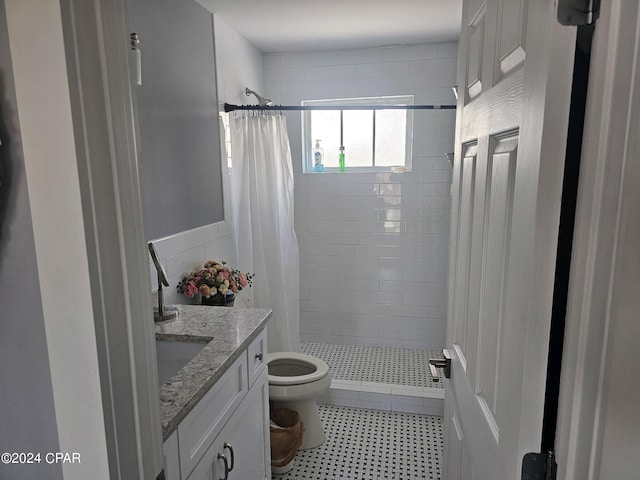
(373, 139)
(358, 138)
(391, 145)
(325, 126)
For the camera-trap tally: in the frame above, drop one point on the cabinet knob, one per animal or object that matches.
(259, 356)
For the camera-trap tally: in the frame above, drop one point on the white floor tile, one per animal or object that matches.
(372, 445)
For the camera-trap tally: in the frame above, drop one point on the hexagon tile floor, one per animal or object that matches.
(372, 445)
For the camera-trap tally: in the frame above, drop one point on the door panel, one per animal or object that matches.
(511, 37)
(479, 25)
(468, 471)
(499, 203)
(467, 185)
(476, 54)
(508, 167)
(470, 345)
(453, 452)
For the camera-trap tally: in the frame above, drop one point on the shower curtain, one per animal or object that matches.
(261, 184)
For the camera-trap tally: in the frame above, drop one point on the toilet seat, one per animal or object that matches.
(319, 368)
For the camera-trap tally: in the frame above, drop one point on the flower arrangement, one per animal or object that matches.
(215, 279)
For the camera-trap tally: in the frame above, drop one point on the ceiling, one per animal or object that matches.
(310, 25)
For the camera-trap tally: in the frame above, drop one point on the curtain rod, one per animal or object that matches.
(230, 108)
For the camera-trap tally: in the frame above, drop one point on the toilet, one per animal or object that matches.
(295, 380)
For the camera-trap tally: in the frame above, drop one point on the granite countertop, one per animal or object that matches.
(228, 332)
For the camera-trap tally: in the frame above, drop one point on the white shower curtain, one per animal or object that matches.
(261, 184)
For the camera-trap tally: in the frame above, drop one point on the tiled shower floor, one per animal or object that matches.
(386, 365)
(370, 445)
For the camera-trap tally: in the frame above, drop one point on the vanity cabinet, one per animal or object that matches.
(238, 452)
(230, 424)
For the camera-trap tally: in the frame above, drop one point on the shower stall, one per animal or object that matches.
(373, 249)
(374, 255)
(373, 274)
(373, 244)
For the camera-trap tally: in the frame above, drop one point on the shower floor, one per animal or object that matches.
(407, 367)
(381, 378)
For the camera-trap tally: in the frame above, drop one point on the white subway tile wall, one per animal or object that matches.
(188, 251)
(373, 246)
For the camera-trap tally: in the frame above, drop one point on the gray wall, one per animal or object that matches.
(178, 116)
(27, 416)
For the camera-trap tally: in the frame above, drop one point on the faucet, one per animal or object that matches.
(163, 313)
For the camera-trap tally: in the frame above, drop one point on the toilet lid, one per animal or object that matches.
(292, 368)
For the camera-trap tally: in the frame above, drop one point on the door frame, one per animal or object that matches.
(605, 200)
(80, 71)
(97, 40)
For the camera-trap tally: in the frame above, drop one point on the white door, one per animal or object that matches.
(514, 82)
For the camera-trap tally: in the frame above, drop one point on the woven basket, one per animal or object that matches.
(286, 438)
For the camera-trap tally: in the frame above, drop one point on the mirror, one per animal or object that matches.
(179, 139)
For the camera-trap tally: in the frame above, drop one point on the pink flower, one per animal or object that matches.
(205, 291)
(190, 289)
(215, 277)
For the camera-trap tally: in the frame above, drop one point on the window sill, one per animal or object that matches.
(362, 170)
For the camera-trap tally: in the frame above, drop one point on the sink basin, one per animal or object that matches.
(173, 355)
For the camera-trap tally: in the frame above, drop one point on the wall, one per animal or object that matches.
(373, 246)
(188, 251)
(49, 354)
(238, 64)
(178, 116)
(27, 417)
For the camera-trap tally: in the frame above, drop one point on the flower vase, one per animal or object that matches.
(219, 300)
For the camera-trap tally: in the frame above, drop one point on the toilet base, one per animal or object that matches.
(284, 469)
(313, 435)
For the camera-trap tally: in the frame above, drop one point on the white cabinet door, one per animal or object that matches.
(205, 469)
(203, 424)
(514, 79)
(244, 441)
(248, 436)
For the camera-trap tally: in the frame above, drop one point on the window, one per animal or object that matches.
(373, 139)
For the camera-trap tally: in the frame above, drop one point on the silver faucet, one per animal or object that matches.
(163, 313)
